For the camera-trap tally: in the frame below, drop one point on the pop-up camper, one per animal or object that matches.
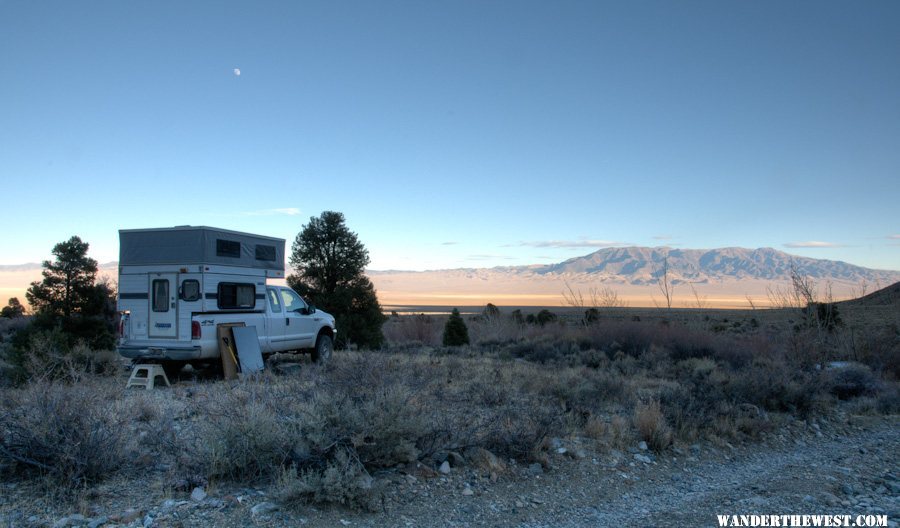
(176, 284)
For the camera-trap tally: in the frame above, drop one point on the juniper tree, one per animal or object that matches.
(330, 264)
(455, 331)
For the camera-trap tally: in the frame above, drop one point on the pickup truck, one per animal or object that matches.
(288, 323)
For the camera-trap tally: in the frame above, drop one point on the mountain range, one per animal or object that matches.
(640, 265)
(726, 277)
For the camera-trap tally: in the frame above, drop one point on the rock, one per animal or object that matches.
(467, 491)
(577, 453)
(695, 449)
(214, 503)
(198, 494)
(148, 521)
(642, 446)
(561, 451)
(445, 468)
(264, 508)
(72, 520)
(830, 499)
(486, 461)
(98, 522)
(535, 469)
(128, 516)
(456, 460)
(642, 458)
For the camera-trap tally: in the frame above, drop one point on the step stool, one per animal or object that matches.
(145, 376)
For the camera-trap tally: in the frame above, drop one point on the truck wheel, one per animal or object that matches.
(324, 347)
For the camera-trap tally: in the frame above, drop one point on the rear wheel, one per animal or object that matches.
(324, 347)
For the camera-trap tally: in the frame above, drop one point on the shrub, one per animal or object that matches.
(455, 331)
(419, 329)
(343, 480)
(243, 440)
(852, 381)
(651, 425)
(544, 317)
(69, 433)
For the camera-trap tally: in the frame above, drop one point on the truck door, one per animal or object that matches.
(276, 323)
(163, 306)
(299, 327)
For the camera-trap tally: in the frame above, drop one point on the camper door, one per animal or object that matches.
(163, 305)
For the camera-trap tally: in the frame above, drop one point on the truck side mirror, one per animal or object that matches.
(311, 309)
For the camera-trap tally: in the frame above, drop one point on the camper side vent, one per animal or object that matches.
(265, 252)
(228, 248)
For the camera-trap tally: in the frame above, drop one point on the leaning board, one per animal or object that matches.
(247, 342)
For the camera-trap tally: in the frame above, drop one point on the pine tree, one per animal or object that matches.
(68, 284)
(455, 331)
(330, 262)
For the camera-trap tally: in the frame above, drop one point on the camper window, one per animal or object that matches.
(228, 248)
(160, 295)
(232, 295)
(190, 290)
(265, 252)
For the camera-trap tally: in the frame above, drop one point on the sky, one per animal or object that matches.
(457, 133)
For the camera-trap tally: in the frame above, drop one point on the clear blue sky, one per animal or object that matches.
(456, 133)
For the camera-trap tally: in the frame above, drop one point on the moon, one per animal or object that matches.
(237, 72)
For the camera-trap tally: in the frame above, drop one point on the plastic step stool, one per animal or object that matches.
(145, 376)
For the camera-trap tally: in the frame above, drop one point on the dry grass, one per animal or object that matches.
(325, 433)
(651, 425)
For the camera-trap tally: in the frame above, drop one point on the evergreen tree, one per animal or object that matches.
(330, 262)
(12, 309)
(490, 312)
(455, 331)
(68, 284)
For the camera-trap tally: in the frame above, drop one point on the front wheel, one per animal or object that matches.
(324, 347)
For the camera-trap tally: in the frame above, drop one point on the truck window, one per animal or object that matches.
(190, 290)
(292, 301)
(160, 295)
(232, 295)
(274, 302)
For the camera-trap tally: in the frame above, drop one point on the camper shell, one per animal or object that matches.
(178, 284)
(188, 270)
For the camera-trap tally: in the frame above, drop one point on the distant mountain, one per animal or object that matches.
(31, 266)
(20, 267)
(725, 278)
(640, 265)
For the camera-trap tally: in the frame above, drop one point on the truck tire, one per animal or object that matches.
(324, 347)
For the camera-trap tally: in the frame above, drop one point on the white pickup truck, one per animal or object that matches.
(287, 324)
(176, 285)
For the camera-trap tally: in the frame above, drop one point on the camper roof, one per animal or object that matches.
(199, 245)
